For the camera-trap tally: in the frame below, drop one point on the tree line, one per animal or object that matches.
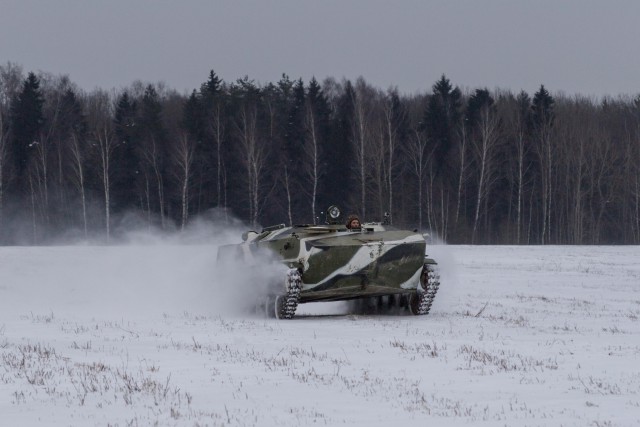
(473, 166)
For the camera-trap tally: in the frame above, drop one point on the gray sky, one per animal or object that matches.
(587, 47)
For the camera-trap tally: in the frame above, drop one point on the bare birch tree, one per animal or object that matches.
(519, 121)
(103, 139)
(39, 172)
(53, 135)
(151, 155)
(213, 96)
(311, 149)
(153, 151)
(575, 131)
(485, 150)
(218, 130)
(50, 148)
(418, 158)
(463, 165)
(78, 175)
(287, 186)
(602, 164)
(543, 119)
(253, 156)
(376, 167)
(361, 135)
(183, 158)
(394, 117)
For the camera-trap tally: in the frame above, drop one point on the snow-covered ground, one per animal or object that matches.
(136, 335)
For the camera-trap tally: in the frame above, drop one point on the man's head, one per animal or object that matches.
(353, 222)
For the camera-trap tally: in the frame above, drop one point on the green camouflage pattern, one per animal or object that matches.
(339, 264)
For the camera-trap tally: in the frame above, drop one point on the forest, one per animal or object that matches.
(474, 166)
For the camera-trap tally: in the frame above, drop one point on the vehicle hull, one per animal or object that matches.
(337, 264)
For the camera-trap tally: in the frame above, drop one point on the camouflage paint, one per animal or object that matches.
(337, 263)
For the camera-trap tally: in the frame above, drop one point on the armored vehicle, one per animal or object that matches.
(376, 264)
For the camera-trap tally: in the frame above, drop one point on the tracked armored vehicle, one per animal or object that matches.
(376, 264)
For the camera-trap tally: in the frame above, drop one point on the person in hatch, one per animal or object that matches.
(353, 222)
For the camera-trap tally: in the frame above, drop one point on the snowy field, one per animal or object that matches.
(136, 336)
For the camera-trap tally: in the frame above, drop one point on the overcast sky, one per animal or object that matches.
(587, 47)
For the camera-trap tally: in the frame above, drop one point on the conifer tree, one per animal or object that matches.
(212, 150)
(211, 88)
(338, 179)
(440, 120)
(27, 120)
(193, 117)
(126, 176)
(542, 109)
(10, 82)
(543, 118)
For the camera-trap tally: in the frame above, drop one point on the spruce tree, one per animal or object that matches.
(74, 119)
(153, 149)
(281, 103)
(212, 136)
(72, 129)
(27, 121)
(150, 114)
(126, 176)
(295, 128)
(441, 118)
(543, 119)
(542, 109)
(73, 165)
(338, 179)
(193, 117)
(320, 104)
(480, 99)
(211, 89)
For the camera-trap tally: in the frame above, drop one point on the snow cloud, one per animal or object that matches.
(143, 272)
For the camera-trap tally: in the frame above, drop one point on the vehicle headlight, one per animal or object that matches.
(334, 212)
